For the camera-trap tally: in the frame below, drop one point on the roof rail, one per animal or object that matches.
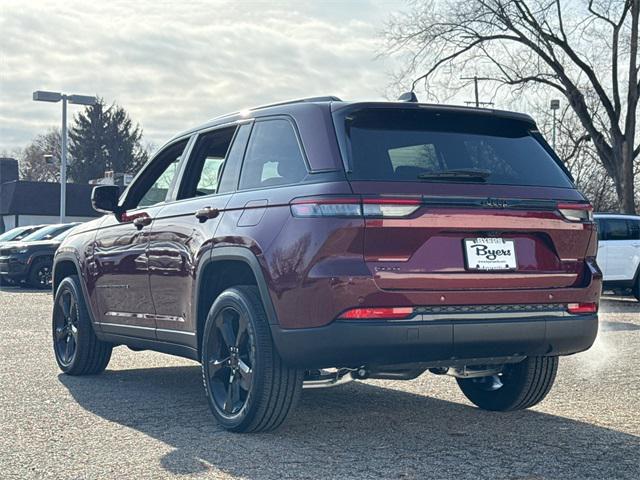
(328, 98)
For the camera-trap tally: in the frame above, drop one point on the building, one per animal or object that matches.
(32, 203)
(113, 178)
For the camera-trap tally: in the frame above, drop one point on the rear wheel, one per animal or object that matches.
(77, 349)
(40, 274)
(519, 386)
(248, 386)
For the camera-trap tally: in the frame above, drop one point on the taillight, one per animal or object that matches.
(371, 207)
(389, 207)
(392, 313)
(576, 212)
(577, 308)
(326, 207)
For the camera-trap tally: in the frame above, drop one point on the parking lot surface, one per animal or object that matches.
(147, 417)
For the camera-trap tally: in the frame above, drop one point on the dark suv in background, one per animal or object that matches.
(31, 259)
(320, 241)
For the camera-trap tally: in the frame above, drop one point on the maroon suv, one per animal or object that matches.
(314, 242)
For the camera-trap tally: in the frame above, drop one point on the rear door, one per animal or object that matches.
(463, 201)
(183, 232)
(120, 268)
(622, 244)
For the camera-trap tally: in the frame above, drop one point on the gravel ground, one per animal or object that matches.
(147, 417)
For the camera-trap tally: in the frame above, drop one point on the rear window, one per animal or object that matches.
(406, 144)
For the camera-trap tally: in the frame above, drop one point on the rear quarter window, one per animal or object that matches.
(273, 156)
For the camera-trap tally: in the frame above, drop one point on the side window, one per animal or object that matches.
(231, 172)
(634, 229)
(617, 229)
(601, 224)
(273, 156)
(206, 163)
(153, 186)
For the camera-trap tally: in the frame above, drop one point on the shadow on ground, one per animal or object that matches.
(355, 431)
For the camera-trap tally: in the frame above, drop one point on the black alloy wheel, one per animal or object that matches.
(248, 386)
(65, 324)
(77, 349)
(40, 275)
(520, 385)
(44, 276)
(230, 361)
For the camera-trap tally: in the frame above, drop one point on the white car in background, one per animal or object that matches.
(619, 251)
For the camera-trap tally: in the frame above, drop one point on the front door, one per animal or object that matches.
(122, 295)
(182, 233)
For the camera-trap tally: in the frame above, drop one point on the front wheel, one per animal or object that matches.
(40, 274)
(76, 347)
(248, 387)
(519, 385)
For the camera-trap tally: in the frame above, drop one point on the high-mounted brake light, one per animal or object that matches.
(576, 212)
(389, 313)
(577, 308)
(373, 207)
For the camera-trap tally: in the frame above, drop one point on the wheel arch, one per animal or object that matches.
(226, 267)
(62, 268)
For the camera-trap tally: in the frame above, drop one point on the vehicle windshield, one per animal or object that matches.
(413, 145)
(15, 234)
(47, 233)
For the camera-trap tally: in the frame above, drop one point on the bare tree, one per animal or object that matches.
(587, 51)
(32, 162)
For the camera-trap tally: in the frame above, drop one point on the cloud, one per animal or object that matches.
(173, 65)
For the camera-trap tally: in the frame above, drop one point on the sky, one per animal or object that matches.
(173, 65)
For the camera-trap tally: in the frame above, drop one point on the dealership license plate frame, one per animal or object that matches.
(472, 262)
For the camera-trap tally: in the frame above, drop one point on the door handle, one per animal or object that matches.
(206, 213)
(140, 222)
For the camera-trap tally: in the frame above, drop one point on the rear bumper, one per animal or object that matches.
(437, 342)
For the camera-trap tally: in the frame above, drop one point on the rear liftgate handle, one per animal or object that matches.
(206, 213)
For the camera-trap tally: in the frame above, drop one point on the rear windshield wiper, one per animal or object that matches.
(469, 175)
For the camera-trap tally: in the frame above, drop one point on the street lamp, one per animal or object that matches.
(55, 97)
(554, 105)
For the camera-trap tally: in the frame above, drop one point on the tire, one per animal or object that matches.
(40, 274)
(75, 345)
(521, 385)
(636, 287)
(249, 389)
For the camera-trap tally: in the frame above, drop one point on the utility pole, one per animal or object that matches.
(55, 97)
(477, 101)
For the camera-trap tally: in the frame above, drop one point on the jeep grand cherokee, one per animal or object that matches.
(318, 241)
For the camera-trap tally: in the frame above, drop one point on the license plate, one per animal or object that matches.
(490, 254)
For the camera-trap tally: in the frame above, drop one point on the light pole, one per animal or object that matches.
(554, 105)
(55, 97)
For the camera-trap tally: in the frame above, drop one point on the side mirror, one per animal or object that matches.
(104, 198)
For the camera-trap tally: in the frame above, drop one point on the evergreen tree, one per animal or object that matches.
(104, 138)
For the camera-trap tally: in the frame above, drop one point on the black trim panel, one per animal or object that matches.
(356, 343)
(156, 345)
